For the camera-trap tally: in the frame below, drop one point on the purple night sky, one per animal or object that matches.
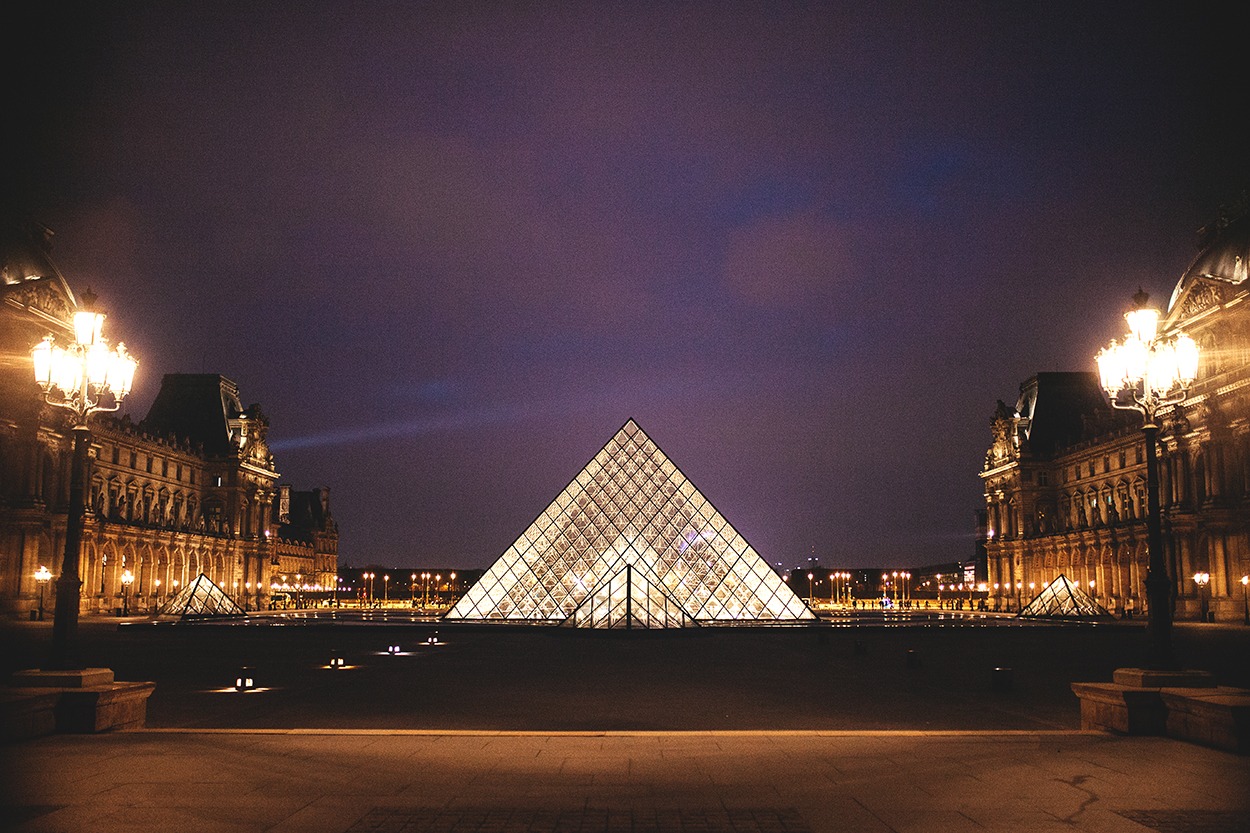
(450, 248)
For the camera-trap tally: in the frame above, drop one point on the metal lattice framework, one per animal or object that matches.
(202, 598)
(630, 542)
(1061, 599)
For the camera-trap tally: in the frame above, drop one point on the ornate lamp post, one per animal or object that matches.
(128, 578)
(42, 576)
(1146, 374)
(83, 377)
(1202, 580)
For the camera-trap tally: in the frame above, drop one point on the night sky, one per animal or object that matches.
(450, 248)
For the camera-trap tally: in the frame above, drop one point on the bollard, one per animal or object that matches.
(1001, 679)
(245, 680)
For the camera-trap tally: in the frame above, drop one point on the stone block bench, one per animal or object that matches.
(37, 703)
(1186, 705)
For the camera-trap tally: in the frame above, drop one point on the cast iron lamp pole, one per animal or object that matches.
(1146, 374)
(128, 578)
(84, 377)
(1202, 580)
(42, 576)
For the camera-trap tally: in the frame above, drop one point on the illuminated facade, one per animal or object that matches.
(190, 489)
(631, 543)
(1065, 475)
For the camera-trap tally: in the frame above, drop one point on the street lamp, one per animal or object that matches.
(84, 377)
(1245, 599)
(1202, 580)
(412, 589)
(809, 588)
(128, 579)
(386, 589)
(1146, 374)
(42, 576)
(425, 590)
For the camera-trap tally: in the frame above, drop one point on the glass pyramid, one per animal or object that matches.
(1061, 599)
(630, 542)
(201, 598)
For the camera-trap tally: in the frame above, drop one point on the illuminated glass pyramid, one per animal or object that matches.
(201, 598)
(1061, 599)
(631, 543)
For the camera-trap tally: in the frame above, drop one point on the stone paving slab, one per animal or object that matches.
(509, 782)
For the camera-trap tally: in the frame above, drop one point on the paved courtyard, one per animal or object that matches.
(335, 782)
(865, 728)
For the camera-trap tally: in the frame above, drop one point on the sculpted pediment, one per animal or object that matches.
(48, 299)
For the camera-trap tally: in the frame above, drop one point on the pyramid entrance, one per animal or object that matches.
(631, 543)
(1061, 599)
(201, 599)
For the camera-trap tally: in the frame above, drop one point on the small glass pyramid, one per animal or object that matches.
(631, 543)
(1061, 599)
(201, 598)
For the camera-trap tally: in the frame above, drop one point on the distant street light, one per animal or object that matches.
(386, 589)
(1146, 374)
(412, 589)
(42, 576)
(128, 579)
(1245, 599)
(85, 377)
(809, 588)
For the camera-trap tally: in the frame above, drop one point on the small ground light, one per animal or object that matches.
(337, 662)
(433, 639)
(245, 680)
(392, 649)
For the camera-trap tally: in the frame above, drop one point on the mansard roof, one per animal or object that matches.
(1059, 409)
(195, 406)
(309, 514)
(29, 278)
(1224, 255)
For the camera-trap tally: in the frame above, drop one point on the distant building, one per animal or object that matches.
(1065, 475)
(191, 488)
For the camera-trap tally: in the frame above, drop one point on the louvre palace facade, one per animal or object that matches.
(1065, 475)
(191, 488)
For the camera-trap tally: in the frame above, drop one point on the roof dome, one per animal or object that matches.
(1225, 252)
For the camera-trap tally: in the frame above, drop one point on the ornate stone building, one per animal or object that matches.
(1065, 475)
(192, 488)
